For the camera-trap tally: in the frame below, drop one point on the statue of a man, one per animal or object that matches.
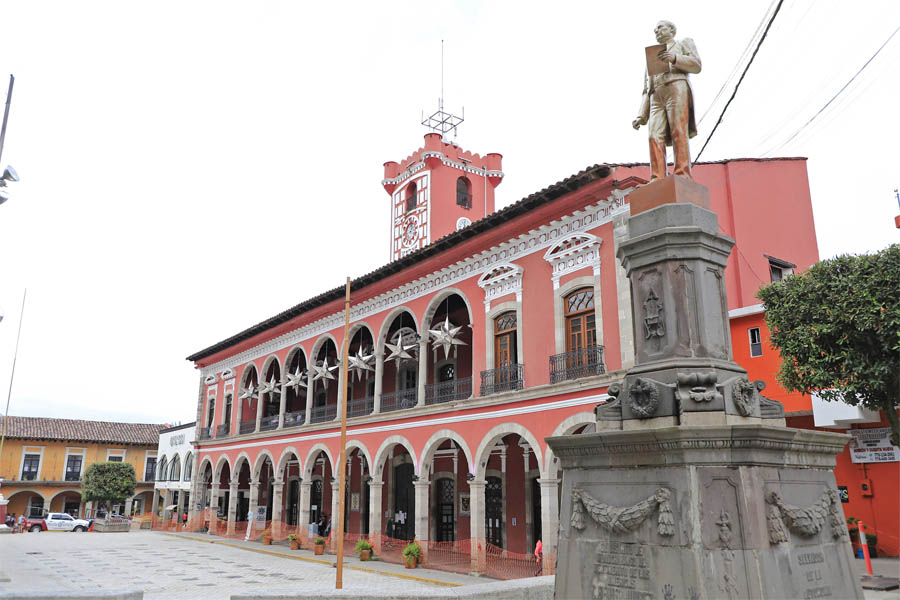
(668, 103)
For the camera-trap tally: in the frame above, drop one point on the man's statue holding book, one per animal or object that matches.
(668, 102)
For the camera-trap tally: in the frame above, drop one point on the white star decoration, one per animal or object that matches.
(361, 363)
(248, 392)
(297, 379)
(445, 336)
(400, 351)
(323, 371)
(270, 387)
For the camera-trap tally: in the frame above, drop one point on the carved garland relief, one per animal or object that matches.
(624, 519)
(805, 522)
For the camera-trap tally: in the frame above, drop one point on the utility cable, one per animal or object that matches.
(736, 87)
(833, 98)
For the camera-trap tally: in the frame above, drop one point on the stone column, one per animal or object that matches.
(303, 518)
(277, 507)
(375, 526)
(335, 498)
(232, 506)
(154, 507)
(423, 370)
(282, 404)
(167, 514)
(127, 506)
(310, 394)
(476, 525)
(259, 410)
(379, 380)
(213, 509)
(422, 486)
(549, 521)
(254, 501)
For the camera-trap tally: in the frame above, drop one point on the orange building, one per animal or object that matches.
(44, 460)
(868, 481)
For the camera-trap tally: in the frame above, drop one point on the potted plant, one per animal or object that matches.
(871, 540)
(411, 554)
(364, 549)
(267, 537)
(294, 541)
(319, 546)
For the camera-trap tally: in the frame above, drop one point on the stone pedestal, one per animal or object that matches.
(738, 511)
(692, 487)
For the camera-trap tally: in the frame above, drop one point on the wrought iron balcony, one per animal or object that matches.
(223, 430)
(204, 433)
(583, 362)
(248, 426)
(268, 423)
(504, 379)
(448, 391)
(360, 407)
(399, 400)
(294, 419)
(321, 414)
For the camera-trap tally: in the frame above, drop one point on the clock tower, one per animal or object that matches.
(437, 190)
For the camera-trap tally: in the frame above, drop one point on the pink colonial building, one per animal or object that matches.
(487, 332)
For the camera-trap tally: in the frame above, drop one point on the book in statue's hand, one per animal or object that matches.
(655, 65)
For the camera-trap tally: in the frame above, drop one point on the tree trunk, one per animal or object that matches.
(891, 412)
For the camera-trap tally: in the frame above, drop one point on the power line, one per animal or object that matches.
(727, 104)
(833, 98)
(737, 65)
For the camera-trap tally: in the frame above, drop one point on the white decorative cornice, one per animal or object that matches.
(536, 240)
(573, 252)
(499, 281)
(210, 379)
(418, 166)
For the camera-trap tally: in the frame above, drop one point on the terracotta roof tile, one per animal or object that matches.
(77, 430)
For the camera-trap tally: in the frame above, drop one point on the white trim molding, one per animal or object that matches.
(503, 279)
(572, 253)
(745, 311)
(39, 450)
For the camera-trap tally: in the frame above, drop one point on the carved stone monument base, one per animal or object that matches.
(692, 512)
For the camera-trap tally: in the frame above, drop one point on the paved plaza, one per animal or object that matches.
(174, 567)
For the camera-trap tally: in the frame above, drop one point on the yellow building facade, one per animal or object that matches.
(44, 460)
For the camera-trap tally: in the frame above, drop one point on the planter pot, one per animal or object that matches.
(295, 545)
(319, 549)
(267, 541)
(410, 563)
(365, 554)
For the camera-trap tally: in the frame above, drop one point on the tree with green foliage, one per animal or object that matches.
(108, 483)
(837, 327)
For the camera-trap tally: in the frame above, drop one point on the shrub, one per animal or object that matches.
(362, 545)
(292, 537)
(320, 541)
(412, 550)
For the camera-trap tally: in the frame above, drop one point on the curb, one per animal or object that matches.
(329, 563)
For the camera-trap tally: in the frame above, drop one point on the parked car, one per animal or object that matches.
(56, 522)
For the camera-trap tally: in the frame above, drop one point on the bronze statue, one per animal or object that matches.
(668, 102)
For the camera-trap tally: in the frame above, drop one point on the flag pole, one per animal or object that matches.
(342, 467)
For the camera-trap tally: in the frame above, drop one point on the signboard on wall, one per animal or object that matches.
(873, 446)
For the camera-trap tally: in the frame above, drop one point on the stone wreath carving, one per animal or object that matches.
(625, 519)
(805, 522)
(744, 394)
(644, 396)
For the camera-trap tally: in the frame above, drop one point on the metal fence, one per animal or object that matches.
(398, 400)
(361, 406)
(504, 379)
(448, 391)
(321, 414)
(583, 362)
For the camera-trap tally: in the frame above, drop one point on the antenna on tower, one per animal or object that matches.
(440, 121)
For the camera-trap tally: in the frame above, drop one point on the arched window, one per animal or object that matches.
(161, 474)
(211, 411)
(175, 471)
(188, 467)
(411, 197)
(581, 329)
(464, 192)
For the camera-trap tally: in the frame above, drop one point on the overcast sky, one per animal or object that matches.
(192, 168)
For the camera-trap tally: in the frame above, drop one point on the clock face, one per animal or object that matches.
(462, 223)
(410, 232)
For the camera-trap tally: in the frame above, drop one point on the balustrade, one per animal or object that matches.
(248, 426)
(204, 433)
(398, 400)
(448, 391)
(360, 406)
(223, 430)
(295, 419)
(583, 362)
(504, 379)
(268, 423)
(321, 414)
